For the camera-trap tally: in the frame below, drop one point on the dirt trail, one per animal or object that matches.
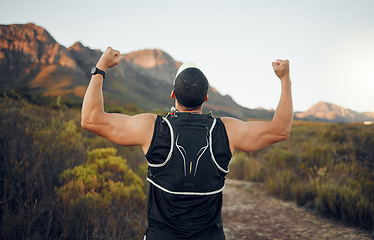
(249, 213)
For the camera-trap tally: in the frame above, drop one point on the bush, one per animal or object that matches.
(345, 203)
(102, 198)
(246, 168)
(36, 146)
(328, 167)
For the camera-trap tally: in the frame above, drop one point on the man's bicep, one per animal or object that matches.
(262, 134)
(133, 130)
(124, 129)
(252, 135)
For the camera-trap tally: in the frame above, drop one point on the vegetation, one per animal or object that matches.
(102, 198)
(59, 181)
(328, 167)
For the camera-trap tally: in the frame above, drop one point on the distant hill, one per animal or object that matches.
(29, 56)
(329, 112)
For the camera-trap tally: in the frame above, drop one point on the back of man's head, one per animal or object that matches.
(190, 85)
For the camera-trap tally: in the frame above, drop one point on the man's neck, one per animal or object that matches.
(197, 111)
(181, 108)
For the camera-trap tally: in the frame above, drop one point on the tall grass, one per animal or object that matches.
(327, 167)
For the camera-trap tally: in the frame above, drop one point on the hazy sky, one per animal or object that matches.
(330, 43)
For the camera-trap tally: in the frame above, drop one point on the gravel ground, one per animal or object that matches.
(249, 213)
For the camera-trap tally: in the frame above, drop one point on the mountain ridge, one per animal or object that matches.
(329, 112)
(30, 56)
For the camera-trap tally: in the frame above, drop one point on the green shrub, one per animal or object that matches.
(245, 167)
(304, 194)
(104, 197)
(37, 144)
(345, 203)
(329, 167)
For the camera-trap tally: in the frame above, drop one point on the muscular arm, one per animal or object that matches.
(119, 128)
(254, 135)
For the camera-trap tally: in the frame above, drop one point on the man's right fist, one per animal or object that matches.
(109, 58)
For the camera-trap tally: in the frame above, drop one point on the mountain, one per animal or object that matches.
(29, 56)
(328, 112)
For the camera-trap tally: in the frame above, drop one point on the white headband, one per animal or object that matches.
(183, 67)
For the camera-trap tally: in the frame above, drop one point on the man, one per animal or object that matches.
(188, 152)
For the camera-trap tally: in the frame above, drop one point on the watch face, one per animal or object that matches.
(93, 70)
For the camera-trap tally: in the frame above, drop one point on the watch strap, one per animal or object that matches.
(95, 71)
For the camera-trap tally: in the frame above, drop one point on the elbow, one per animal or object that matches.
(283, 130)
(285, 135)
(89, 126)
(86, 123)
(90, 121)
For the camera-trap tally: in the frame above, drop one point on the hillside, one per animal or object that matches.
(29, 56)
(328, 112)
(325, 167)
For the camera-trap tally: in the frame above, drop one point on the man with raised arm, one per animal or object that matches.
(187, 152)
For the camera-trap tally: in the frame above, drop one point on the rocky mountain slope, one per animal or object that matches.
(29, 56)
(329, 112)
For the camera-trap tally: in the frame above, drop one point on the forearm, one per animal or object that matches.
(283, 115)
(93, 103)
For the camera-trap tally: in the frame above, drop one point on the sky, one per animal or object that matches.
(329, 43)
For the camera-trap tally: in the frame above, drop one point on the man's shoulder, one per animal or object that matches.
(146, 116)
(230, 120)
(144, 120)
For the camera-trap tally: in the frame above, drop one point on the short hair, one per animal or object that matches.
(191, 87)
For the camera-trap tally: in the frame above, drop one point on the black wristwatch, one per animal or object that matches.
(95, 71)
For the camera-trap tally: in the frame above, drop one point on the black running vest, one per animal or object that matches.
(188, 160)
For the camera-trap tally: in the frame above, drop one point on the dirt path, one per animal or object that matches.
(248, 213)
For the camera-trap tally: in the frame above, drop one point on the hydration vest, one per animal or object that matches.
(190, 167)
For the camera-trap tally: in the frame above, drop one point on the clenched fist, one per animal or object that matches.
(281, 68)
(109, 58)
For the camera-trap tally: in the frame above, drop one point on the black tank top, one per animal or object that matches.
(188, 159)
